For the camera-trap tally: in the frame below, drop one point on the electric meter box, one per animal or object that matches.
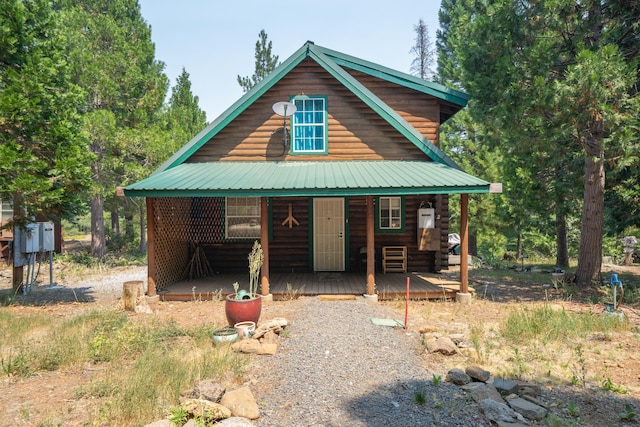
(426, 218)
(47, 243)
(31, 239)
(428, 235)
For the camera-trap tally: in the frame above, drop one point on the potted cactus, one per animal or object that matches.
(243, 305)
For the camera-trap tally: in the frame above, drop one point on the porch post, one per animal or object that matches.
(264, 242)
(151, 247)
(371, 251)
(464, 243)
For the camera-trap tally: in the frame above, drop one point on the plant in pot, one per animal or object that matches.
(242, 305)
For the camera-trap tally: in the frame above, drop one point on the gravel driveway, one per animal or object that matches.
(335, 368)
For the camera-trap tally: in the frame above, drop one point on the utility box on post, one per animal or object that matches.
(428, 235)
(31, 239)
(47, 240)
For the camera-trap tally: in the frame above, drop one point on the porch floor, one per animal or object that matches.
(286, 285)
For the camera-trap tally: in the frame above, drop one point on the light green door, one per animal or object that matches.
(328, 234)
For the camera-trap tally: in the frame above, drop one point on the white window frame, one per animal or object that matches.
(242, 218)
(299, 125)
(394, 204)
(6, 212)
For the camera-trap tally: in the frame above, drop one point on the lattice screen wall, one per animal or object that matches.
(179, 221)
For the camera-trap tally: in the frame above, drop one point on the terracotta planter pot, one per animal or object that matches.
(244, 310)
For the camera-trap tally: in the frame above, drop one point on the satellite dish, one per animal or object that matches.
(284, 109)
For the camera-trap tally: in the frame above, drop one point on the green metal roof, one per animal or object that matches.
(334, 63)
(293, 178)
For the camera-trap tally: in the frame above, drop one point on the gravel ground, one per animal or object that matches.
(335, 368)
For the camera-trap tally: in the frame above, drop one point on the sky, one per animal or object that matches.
(215, 40)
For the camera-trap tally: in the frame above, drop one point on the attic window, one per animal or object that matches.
(309, 125)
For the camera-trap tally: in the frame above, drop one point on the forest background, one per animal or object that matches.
(85, 108)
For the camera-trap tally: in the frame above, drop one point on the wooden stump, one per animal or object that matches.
(132, 294)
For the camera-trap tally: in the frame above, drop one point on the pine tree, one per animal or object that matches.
(43, 157)
(423, 51)
(184, 113)
(265, 63)
(109, 45)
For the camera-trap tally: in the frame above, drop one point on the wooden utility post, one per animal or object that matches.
(18, 271)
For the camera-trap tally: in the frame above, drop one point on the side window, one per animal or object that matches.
(309, 125)
(242, 217)
(390, 214)
(7, 212)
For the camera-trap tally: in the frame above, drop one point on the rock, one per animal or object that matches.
(527, 409)
(482, 391)
(270, 337)
(442, 345)
(246, 346)
(458, 377)
(500, 412)
(456, 338)
(276, 325)
(478, 373)
(235, 422)
(426, 329)
(267, 348)
(241, 403)
(206, 409)
(161, 423)
(191, 423)
(533, 390)
(209, 390)
(505, 386)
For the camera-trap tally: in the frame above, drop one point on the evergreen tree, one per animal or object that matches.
(555, 83)
(43, 157)
(184, 116)
(423, 52)
(109, 45)
(265, 63)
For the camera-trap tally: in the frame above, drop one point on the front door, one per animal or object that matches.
(328, 234)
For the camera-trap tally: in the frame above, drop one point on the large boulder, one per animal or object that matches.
(241, 403)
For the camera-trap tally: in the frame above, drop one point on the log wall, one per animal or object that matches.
(355, 131)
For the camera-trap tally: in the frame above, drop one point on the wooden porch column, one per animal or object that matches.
(264, 242)
(464, 243)
(151, 247)
(371, 249)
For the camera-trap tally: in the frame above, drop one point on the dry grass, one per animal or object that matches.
(131, 359)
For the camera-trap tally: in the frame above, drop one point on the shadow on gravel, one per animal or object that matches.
(45, 295)
(415, 403)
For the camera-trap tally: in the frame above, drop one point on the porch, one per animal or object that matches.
(287, 285)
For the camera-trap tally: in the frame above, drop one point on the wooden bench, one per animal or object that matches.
(394, 259)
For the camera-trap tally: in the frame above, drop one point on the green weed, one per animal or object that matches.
(608, 385)
(436, 380)
(629, 414)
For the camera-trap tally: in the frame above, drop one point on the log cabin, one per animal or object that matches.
(332, 163)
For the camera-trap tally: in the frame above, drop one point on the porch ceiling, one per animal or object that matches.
(300, 178)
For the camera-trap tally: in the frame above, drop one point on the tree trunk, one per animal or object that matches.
(590, 252)
(115, 219)
(98, 243)
(128, 220)
(143, 234)
(562, 245)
